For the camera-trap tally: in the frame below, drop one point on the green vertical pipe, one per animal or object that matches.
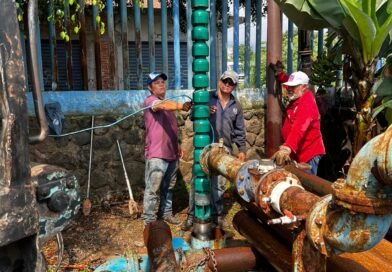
(200, 81)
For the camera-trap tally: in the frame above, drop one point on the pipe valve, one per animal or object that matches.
(288, 218)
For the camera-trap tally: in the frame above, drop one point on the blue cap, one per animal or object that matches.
(154, 75)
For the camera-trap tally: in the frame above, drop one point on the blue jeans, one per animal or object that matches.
(314, 163)
(160, 175)
(217, 189)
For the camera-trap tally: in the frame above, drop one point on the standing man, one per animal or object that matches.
(161, 150)
(301, 127)
(227, 120)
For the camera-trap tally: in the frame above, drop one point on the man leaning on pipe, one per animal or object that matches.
(227, 121)
(301, 126)
(161, 150)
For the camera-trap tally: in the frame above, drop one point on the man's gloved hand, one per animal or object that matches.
(186, 106)
(282, 156)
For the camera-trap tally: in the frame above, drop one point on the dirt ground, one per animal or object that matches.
(110, 232)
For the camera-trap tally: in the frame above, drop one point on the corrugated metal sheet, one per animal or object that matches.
(77, 74)
(158, 63)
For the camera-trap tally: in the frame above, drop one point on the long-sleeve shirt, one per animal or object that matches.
(228, 123)
(301, 128)
(161, 132)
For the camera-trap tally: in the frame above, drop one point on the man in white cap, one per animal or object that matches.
(161, 150)
(301, 127)
(227, 120)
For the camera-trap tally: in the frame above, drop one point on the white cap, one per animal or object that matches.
(297, 78)
(230, 74)
(154, 75)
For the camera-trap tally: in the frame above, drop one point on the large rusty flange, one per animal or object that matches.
(266, 186)
(315, 222)
(334, 229)
(246, 182)
(204, 155)
(378, 203)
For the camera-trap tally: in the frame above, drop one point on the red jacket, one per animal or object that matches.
(301, 128)
(282, 77)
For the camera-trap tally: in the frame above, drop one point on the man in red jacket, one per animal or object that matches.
(301, 127)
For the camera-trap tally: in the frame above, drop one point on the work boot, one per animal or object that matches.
(171, 220)
(187, 224)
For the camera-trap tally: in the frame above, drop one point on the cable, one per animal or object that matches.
(119, 120)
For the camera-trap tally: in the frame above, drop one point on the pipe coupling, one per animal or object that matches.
(205, 155)
(270, 188)
(279, 189)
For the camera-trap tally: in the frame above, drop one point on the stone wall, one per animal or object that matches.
(72, 152)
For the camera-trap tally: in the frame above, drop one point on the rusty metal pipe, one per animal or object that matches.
(359, 214)
(237, 259)
(269, 247)
(218, 158)
(367, 187)
(158, 240)
(258, 214)
(297, 200)
(312, 183)
(372, 164)
(377, 259)
(37, 95)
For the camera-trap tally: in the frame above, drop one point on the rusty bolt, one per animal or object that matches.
(241, 191)
(242, 178)
(318, 221)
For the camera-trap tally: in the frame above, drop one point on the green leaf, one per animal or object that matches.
(302, 14)
(382, 33)
(383, 87)
(366, 27)
(330, 10)
(388, 115)
(352, 28)
(387, 104)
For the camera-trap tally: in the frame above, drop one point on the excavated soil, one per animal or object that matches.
(111, 232)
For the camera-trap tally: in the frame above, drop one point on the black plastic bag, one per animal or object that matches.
(55, 117)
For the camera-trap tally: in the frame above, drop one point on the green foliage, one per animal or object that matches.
(324, 72)
(218, 7)
(383, 89)
(62, 13)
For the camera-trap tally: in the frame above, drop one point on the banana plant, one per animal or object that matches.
(383, 89)
(365, 27)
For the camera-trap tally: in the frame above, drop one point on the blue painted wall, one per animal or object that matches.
(79, 103)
